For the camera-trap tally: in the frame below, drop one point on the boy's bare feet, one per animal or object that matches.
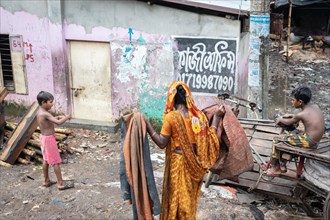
(66, 184)
(48, 184)
(273, 171)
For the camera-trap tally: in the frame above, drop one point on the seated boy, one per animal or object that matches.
(313, 121)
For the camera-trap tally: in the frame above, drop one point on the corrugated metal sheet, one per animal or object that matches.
(279, 3)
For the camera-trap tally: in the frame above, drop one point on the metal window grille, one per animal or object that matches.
(6, 69)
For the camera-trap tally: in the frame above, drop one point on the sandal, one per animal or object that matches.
(68, 184)
(50, 183)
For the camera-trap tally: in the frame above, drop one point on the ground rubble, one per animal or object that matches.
(97, 195)
(94, 167)
(305, 67)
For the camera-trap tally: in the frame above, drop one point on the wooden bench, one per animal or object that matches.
(322, 153)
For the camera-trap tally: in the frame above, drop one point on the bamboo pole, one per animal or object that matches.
(289, 30)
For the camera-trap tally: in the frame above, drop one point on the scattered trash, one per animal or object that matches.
(34, 208)
(37, 168)
(55, 200)
(30, 177)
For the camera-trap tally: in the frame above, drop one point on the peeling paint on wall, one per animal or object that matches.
(140, 76)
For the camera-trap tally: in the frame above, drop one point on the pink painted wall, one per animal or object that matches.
(40, 47)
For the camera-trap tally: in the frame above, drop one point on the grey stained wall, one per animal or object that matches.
(152, 19)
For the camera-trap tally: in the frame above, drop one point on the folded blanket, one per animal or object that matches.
(235, 153)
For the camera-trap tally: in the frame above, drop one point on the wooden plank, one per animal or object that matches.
(269, 129)
(291, 166)
(3, 93)
(276, 181)
(263, 151)
(267, 187)
(246, 126)
(324, 150)
(264, 135)
(20, 136)
(262, 143)
(256, 121)
(249, 132)
(309, 153)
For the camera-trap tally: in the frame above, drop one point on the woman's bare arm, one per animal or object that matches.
(159, 139)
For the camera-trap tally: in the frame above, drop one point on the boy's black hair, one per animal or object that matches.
(44, 97)
(180, 96)
(302, 93)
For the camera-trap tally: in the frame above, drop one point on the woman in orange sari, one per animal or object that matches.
(192, 147)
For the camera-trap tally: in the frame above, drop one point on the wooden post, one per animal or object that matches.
(20, 136)
(289, 27)
(3, 93)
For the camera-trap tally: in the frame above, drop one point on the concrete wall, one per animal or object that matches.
(48, 25)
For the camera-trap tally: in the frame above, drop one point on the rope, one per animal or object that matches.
(257, 183)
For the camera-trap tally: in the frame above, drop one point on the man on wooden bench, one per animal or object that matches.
(313, 120)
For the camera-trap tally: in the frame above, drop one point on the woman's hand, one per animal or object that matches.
(221, 111)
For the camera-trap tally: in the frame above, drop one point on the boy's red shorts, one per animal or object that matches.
(49, 149)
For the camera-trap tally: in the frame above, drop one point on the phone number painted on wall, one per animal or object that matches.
(206, 65)
(209, 82)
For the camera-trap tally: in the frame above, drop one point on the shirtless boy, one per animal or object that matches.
(49, 146)
(313, 120)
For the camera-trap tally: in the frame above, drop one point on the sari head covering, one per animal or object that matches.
(206, 140)
(198, 119)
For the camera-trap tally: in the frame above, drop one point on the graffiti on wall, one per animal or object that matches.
(207, 66)
(17, 44)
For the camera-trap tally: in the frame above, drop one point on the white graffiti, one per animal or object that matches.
(197, 59)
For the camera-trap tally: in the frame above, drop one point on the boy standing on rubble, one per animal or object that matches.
(49, 146)
(313, 120)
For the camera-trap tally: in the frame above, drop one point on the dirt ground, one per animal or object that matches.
(97, 192)
(95, 172)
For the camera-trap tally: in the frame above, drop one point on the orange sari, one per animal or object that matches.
(184, 173)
